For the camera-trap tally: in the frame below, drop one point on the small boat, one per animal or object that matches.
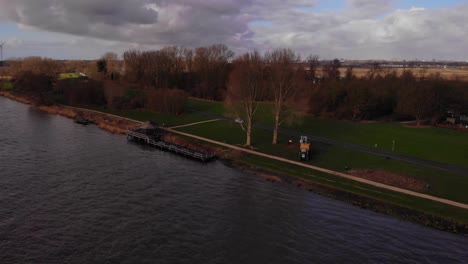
(82, 121)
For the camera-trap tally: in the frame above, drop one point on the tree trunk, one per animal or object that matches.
(248, 141)
(275, 130)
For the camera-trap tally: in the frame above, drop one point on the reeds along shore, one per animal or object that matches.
(103, 121)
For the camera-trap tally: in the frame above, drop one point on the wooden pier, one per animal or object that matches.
(137, 136)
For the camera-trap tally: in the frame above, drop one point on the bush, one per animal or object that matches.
(169, 101)
(132, 99)
(81, 92)
(33, 83)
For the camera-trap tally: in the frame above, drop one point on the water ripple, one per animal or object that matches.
(74, 194)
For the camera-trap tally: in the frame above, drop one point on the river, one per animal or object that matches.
(75, 194)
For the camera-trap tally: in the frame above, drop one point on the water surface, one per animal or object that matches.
(75, 194)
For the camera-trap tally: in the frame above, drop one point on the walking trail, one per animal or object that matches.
(343, 175)
(196, 123)
(339, 174)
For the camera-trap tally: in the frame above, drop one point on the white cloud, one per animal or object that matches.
(363, 29)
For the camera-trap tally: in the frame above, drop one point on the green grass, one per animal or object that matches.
(7, 86)
(438, 144)
(444, 184)
(69, 75)
(206, 106)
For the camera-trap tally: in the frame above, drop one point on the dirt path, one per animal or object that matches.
(343, 175)
(196, 123)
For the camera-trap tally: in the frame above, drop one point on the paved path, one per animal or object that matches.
(457, 169)
(343, 175)
(196, 123)
(339, 174)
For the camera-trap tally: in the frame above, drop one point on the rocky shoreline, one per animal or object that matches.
(114, 124)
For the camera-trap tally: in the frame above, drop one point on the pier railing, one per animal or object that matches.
(161, 144)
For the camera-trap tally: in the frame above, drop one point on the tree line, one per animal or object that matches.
(162, 80)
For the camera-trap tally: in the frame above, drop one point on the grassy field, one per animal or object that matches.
(438, 144)
(6, 86)
(69, 75)
(449, 73)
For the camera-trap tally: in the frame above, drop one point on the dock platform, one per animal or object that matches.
(135, 135)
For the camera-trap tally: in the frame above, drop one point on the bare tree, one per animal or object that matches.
(211, 65)
(332, 70)
(113, 64)
(281, 84)
(133, 66)
(245, 90)
(313, 62)
(417, 99)
(37, 65)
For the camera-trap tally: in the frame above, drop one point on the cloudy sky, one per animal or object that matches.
(350, 29)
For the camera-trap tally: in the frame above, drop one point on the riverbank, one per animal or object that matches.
(362, 201)
(103, 121)
(117, 124)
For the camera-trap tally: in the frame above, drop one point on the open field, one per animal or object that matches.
(438, 144)
(449, 73)
(69, 75)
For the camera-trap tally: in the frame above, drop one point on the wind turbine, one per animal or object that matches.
(1, 51)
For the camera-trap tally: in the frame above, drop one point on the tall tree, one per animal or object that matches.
(113, 65)
(313, 63)
(281, 84)
(332, 70)
(246, 89)
(211, 65)
(417, 100)
(102, 67)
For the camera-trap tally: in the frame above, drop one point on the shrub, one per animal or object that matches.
(169, 101)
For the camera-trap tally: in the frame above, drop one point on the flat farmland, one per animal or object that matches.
(460, 73)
